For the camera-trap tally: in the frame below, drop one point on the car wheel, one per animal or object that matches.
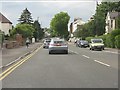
(50, 52)
(90, 48)
(103, 48)
(66, 52)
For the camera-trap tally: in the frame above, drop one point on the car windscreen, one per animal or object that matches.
(85, 42)
(97, 41)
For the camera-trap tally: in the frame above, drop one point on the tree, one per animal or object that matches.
(25, 29)
(100, 15)
(38, 33)
(25, 17)
(97, 25)
(59, 25)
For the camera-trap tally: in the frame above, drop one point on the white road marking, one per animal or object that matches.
(73, 51)
(85, 56)
(112, 52)
(102, 63)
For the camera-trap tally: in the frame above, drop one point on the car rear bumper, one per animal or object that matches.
(58, 48)
(46, 46)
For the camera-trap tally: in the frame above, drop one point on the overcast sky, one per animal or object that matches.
(45, 10)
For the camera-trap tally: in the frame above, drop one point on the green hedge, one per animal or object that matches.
(108, 42)
(117, 41)
(111, 40)
(89, 38)
(113, 34)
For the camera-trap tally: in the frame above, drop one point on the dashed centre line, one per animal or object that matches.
(85, 56)
(102, 63)
(73, 51)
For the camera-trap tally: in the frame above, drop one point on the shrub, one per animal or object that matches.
(108, 41)
(25, 29)
(113, 34)
(117, 41)
(103, 37)
(89, 38)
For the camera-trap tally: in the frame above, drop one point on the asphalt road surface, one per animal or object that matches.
(81, 68)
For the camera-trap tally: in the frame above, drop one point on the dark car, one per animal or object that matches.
(82, 43)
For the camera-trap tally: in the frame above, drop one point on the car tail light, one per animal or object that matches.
(55, 44)
(51, 44)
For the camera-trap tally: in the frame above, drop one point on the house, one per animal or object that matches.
(111, 23)
(5, 24)
(73, 26)
(77, 23)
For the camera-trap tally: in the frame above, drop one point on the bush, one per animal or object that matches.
(25, 29)
(89, 38)
(113, 34)
(103, 37)
(117, 41)
(108, 41)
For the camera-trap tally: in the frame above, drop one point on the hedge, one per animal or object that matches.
(108, 42)
(113, 34)
(89, 38)
(117, 41)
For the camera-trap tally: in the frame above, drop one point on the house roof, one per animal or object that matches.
(114, 15)
(3, 19)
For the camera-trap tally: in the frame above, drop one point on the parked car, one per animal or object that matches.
(82, 43)
(96, 44)
(46, 43)
(58, 45)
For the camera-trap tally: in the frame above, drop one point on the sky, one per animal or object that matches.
(45, 10)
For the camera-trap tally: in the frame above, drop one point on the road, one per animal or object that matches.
(81, 68)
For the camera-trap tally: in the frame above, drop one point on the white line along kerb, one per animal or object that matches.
(102, 63)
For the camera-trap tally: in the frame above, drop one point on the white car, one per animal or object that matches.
(46, 43)
(58, 45)
(96, 44)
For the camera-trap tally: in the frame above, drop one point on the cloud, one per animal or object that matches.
(46, 10)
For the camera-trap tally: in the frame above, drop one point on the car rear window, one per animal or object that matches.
(48, 41)
(60, 42)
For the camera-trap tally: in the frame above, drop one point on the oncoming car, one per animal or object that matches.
(96, 44)
(57, 46)
(82, 43)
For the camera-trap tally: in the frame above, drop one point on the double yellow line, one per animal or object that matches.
(12, 68)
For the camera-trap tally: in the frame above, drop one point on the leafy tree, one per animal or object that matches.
(82, 31)
(59, 25)
(97, 25)
(101, 13)
(25, 29)
(25, 17)
(38, 33)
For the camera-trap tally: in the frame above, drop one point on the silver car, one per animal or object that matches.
(58, 45)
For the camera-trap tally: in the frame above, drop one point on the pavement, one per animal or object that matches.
(9, 56)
